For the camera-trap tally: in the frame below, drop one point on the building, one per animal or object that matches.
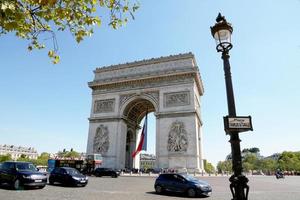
(147, 161)
(17, 151)
(122, 95)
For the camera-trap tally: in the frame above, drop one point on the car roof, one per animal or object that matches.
(103, 168)
(16, 162)
(174, 174)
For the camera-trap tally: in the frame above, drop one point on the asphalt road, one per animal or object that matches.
(141, 188)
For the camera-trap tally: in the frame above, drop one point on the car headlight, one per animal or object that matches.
(86, 178)
(201, 186)
(27, 176)
(76, 178)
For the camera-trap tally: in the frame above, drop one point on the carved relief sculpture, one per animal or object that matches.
(101, 140)
(107, 105)
(177, 141)
(177, 99)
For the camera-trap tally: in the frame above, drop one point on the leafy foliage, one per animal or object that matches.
(224, 166)
(68, 154)
(29, 19)
(208, 167)
(289, 161)
(42, 159)
(6, 157)
(252, 161)
(251, 150)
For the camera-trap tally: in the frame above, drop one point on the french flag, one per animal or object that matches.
(143, 141)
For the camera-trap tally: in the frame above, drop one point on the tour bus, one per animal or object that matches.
(93, 161)
(87, 165)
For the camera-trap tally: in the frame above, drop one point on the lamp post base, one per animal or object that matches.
(238, 187)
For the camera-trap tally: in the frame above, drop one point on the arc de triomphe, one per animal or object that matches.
(121, 95)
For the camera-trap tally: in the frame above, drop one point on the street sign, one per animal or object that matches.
(237, 124)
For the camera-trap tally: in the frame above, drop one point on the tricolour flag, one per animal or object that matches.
(143, 140)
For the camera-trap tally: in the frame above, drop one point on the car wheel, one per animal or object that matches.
(114, 175)
(17, 184)
(158, 189)
(191, 192)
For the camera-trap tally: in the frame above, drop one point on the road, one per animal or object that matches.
(141, 188)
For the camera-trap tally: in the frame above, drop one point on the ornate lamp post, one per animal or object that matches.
(221, 32)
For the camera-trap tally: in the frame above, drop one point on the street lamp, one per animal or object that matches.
(221, 32)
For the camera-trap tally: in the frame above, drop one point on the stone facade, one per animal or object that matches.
(121, 94)
(147, 162)
(17, 151)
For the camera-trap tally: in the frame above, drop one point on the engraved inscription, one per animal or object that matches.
(177, 141)
(107, 105)
(176, 99)
(101, 140)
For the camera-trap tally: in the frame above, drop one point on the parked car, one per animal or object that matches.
(106, 172)
(67, 176)
(20, 174)
(182, 183)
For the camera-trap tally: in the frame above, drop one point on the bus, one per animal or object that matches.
(87, 165)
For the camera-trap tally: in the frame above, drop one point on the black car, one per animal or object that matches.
(67, 176)
(20, 174)
(182, 183)
(106, 172)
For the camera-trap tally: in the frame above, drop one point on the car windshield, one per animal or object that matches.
(72, 171)
(189, 177)
(25, 167)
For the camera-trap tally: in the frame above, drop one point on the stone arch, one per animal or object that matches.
(126, 100)
(168, 86)
(134, 110)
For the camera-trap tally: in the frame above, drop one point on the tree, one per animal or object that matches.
(72, 154)
(268, 165)
(289, 161)
(32, 19)
(250, 162)
(6, 157)
(24, 158)
(208, 167)
(254, 150)
(42, 159)
(224, 166)
(68, 154)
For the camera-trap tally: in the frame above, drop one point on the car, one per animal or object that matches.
(106, 172)
(21, 174)
(181, 183)
(67, 176)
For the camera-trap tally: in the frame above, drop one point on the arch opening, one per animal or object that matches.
(135, 114)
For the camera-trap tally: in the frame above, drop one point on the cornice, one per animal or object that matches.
(114, 119)
(145, 75)
(190, 74)
(146, 62)
(179, 114)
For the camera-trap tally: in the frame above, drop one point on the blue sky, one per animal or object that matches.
(46, 106)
